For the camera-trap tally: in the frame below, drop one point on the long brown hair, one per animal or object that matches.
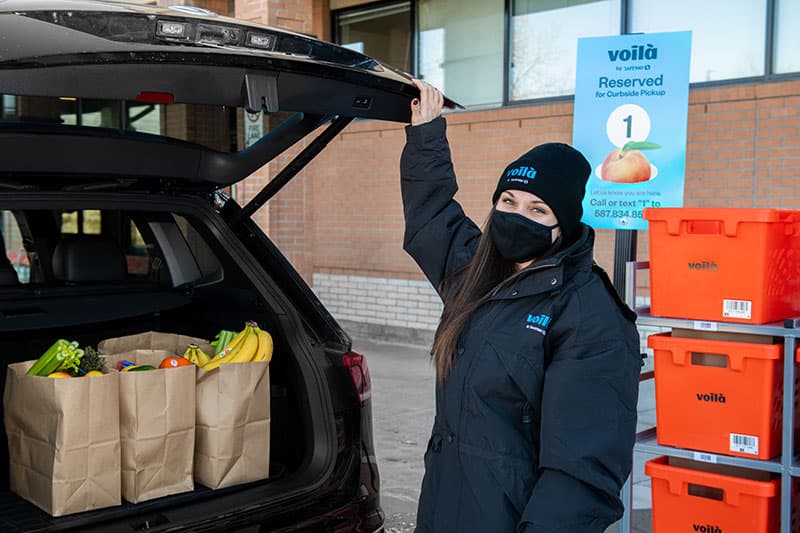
(467, 289)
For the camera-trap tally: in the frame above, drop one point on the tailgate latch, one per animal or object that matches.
(260, 92)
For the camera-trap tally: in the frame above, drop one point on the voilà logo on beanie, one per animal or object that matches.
(521, 174)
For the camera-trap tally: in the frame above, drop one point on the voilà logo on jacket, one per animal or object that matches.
(538, 323)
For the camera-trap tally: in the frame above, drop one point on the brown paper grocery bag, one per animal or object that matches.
(63, 440)
(233, 424)
(156, 424)
(153, 340)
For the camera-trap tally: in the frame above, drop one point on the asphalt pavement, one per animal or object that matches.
(403, 407)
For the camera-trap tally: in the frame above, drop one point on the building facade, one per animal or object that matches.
(512, 64)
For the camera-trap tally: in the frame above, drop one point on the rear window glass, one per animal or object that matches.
(15, 254)
(84, 222)
(68, 247)
(221, 128)
(122, 228)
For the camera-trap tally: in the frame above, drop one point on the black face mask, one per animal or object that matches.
(519, 238)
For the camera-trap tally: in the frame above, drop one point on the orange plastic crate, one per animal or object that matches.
(692, 500)
(730, 265)
(735, 409)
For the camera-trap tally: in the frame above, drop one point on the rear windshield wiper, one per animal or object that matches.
(16, 186)
(99, 185)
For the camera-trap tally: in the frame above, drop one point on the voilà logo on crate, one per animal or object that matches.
(713, 397)
(707, 528)
(703, 265)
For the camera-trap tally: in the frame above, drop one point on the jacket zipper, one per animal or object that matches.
(527, 413)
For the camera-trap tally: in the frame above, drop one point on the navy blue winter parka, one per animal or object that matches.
(535, 423)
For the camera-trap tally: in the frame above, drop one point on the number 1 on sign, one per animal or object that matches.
(628, 122)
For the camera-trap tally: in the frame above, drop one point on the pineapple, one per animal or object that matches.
(92, 360)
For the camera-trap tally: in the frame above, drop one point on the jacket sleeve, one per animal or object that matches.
(438, 235)
(588, 425)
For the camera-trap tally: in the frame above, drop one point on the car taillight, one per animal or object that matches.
(150, 97)
(359, 373)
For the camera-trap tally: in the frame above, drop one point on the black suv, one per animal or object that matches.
(87, 180)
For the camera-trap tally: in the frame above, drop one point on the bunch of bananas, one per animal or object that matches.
(223, 338)
(250, 344)
(197, 356)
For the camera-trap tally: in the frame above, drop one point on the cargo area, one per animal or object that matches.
(182, 275)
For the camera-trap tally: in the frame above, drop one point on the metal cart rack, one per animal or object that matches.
(787, 465)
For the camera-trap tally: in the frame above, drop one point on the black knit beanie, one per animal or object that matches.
(556, 173)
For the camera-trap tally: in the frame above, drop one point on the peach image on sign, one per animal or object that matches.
(628, 164)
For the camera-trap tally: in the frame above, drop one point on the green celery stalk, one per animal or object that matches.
(49, 359)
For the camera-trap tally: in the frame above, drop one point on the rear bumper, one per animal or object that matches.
(353, 518)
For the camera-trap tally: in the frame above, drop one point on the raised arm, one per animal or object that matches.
(438, 235)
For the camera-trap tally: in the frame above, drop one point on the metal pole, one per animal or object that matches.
(625, 523)
(624, 251)
(787, 455)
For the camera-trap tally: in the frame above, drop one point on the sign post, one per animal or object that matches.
(631, 106)
(253, 130)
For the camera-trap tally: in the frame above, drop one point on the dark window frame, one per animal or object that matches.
(625, 10)
(336, 36)
(624, 25)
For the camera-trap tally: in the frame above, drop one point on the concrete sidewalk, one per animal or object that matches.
(403, 408)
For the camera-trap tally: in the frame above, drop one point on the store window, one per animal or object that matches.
(728, 38)
(14, 249)
(459, 44)
(544, 42)
(380, 31)
(86, 222)
(86, 112)
(787, 38)
(9, 105)
(101, 113)
(205, 125)
(461, 48)
(144, 118)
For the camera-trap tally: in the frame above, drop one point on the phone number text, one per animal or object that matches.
(617, 213)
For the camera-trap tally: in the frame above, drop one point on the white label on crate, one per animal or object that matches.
(705, 326)
(705, 457)
(737, 309)
(744, 444)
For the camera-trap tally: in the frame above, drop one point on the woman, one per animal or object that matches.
(537, 359)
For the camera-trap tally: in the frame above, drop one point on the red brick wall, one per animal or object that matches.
(287, 218)
(744, 147)
(743, 151)
(343, 214)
